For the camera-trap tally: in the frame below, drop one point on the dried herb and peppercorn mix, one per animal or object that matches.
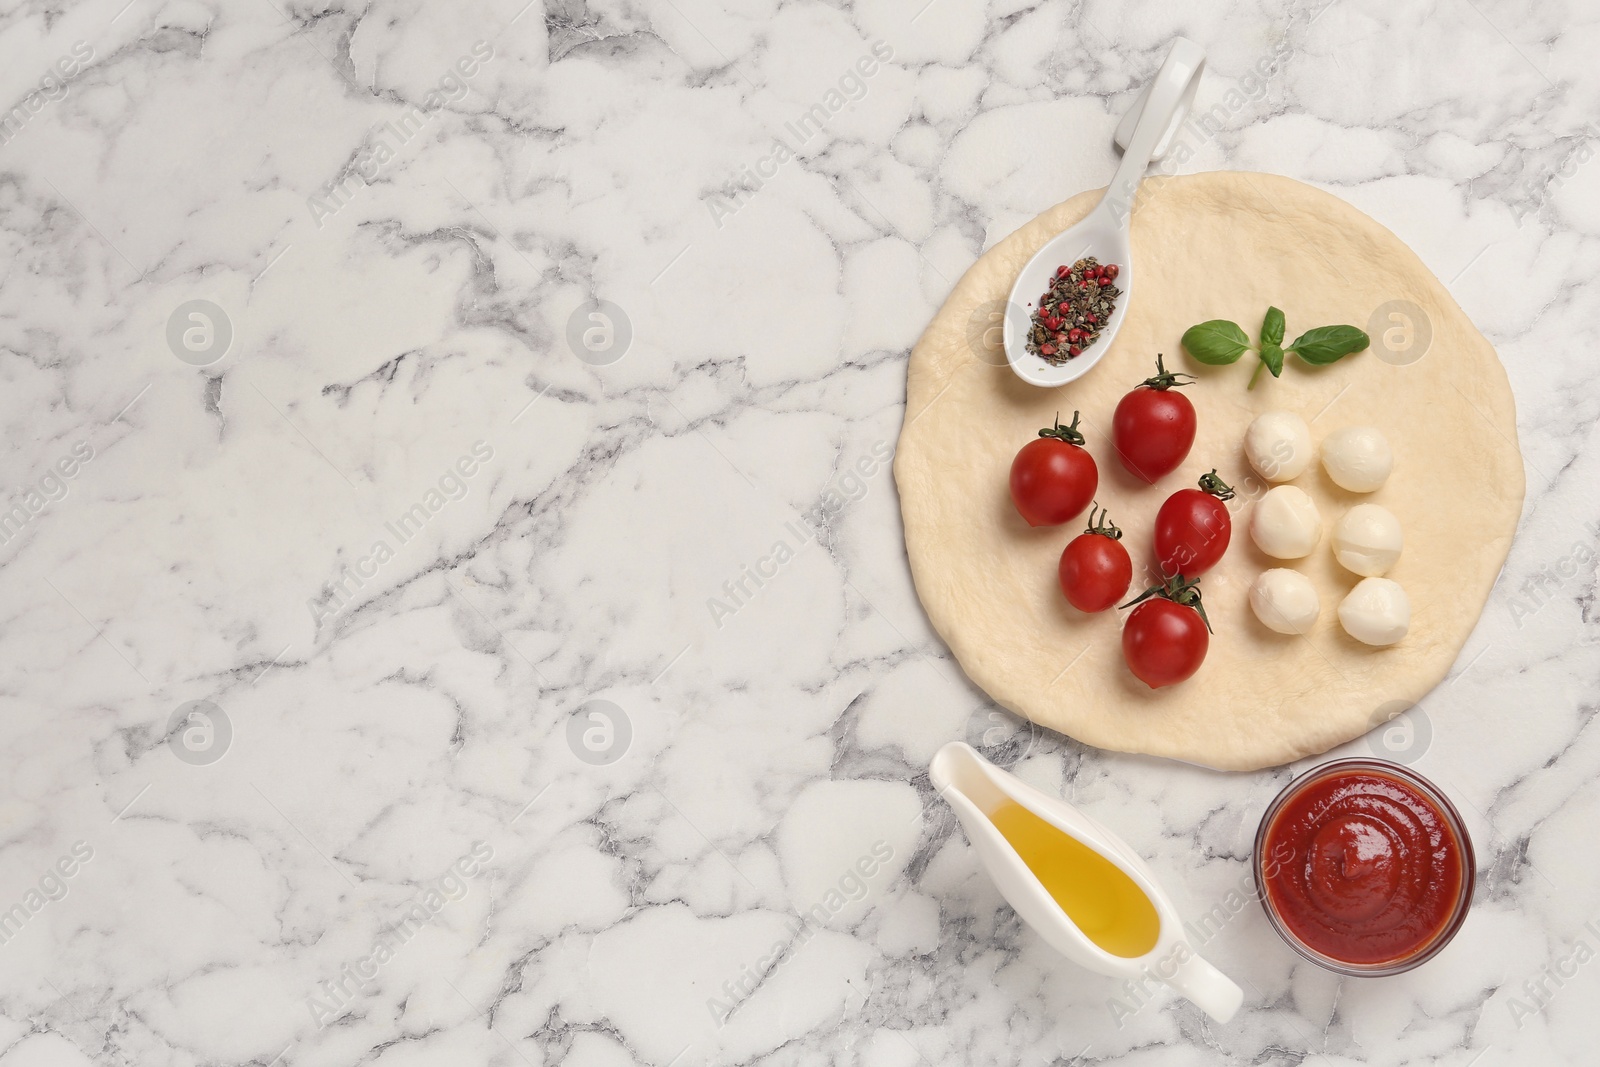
(1072, 313)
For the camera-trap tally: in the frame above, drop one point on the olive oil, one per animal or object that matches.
(1107, 905)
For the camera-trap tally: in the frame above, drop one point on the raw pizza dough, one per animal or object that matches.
(1212, 246)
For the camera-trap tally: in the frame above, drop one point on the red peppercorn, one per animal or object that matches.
(1048, 350)
(1061, 271)
(1090, 319)
(1073, 351)
(1111, 271)
(1060, 337)
(1074, 335)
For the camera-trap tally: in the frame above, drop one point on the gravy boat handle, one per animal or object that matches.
(1206, 987)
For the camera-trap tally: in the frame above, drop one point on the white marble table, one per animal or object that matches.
(392, 508)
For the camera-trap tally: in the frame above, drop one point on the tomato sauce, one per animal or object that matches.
(1368, 867)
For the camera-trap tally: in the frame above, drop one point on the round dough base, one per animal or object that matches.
(1207, 246)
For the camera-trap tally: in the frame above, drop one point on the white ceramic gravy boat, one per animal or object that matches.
(973, 787)
(1145, 134)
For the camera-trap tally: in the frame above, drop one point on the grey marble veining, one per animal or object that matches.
(408, 659)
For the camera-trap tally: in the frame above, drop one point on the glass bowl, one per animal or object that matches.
(1452, 821)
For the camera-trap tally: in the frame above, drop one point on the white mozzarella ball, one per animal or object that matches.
(1285, 600)
(1278, 445)
(1367, 540)
(1357, 458)
(1376, 612)
(1284, 523)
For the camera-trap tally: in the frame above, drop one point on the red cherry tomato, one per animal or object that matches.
(1053, 478)
(1153, 426)
(1193, 528)
(1166, 637)
(1095, 569)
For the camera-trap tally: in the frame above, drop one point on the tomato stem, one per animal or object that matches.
(1164, 378)
(1069, 434)
(1210, 483)
(1105, 527)
(1179, 590)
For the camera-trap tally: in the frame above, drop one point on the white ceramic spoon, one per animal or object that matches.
(1103, 233)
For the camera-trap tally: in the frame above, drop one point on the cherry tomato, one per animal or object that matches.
(1053, 478)
(1095, 568)
(1166, 637)
(1193, 528)
(1153, 426)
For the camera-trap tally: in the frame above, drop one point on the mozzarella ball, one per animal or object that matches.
(1357, 458)
(1278, 445)
(1284, 523)
(1367, 540)
(1285, 600)
(1376, 612)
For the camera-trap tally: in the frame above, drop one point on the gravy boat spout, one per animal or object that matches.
(1114, 932)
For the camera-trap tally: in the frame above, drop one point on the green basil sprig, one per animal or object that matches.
(1220, 342)
(1272, 327)
(1217, 342)
(1329, 344)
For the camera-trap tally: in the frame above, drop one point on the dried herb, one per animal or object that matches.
(1074, 310)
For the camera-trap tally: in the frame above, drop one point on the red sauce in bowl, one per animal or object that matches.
(1366, 864)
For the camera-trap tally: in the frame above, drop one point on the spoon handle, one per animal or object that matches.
(1168, 96)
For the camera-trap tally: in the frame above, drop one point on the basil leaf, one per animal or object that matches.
(1272, 328)
(1217, 343)
(1272, 356)
(1329, 344)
